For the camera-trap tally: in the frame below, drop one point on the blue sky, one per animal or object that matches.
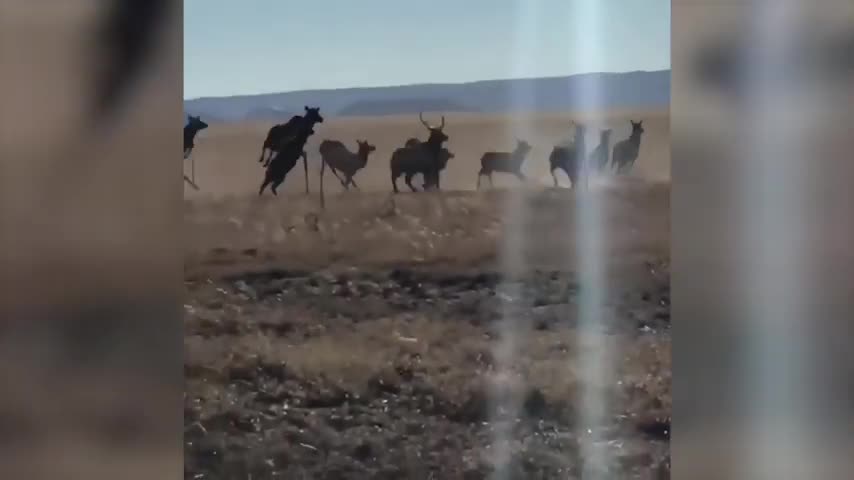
(234, 47)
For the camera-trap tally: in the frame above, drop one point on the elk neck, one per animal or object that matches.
(362, 155)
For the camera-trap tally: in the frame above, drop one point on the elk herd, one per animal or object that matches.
(285, 144)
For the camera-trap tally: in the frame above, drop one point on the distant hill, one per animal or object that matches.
(269, 113)
(207, 117)
(554, 94)
(402, 105)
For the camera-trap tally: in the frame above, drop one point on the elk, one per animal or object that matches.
(336, 155)
(194, 125)
(570, 158)
(397, 169)
(626, 151)
(420, 157)
(285, 158)
(504, 162)
(279, 134)
(444, 156)
(599, 155)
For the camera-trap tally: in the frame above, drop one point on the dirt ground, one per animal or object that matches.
(369, 339)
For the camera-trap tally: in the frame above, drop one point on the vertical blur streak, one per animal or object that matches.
(90, 240)
(513, 328)
(773, 195)
(593, 355)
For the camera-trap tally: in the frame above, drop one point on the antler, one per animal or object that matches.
(443, 123)
(421, 117)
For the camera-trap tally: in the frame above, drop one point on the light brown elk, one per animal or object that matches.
(336, 155)
(504, 162)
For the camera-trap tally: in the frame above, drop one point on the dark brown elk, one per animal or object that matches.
(286, 157)
(194, 125)
(570, 158)
(626, 151)
(504, 162)
(278, 134)
(420, 157)
(336, 155)
(600, 155)
(409, 171)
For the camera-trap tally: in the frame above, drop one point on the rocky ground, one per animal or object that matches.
(360, 373)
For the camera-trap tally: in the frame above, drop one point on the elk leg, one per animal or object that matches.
(190, 182)
(555, 177)
(394, 176)
(408, 179)
(491, 183)
(479, 174)
(335, 172)
(275, 185)
(353, 183)
(305, 168)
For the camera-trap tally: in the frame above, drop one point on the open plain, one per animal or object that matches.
(363, 339)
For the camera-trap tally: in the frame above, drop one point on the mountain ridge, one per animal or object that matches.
(637, 89)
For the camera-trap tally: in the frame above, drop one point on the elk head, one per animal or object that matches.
(196, 123)
(637, 127)
(437, 136)
(312, 114)
(522, 146)
(365, 148)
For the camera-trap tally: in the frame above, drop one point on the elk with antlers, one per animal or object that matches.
(425, 157)
(430, 181)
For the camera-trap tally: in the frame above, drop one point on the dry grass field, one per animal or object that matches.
(361, 340)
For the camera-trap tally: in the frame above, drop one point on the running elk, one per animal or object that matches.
(336, 155)
(626, 151)
(570, 158)
(504, 162)
(599, 155)
(194, 125)
(285, 158)
(420, 157)
(279, 134)
(409, 171)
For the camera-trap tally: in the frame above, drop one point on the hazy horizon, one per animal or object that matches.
(233, 50)
(358, 87)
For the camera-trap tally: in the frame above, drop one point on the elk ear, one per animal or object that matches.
(306, 108)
